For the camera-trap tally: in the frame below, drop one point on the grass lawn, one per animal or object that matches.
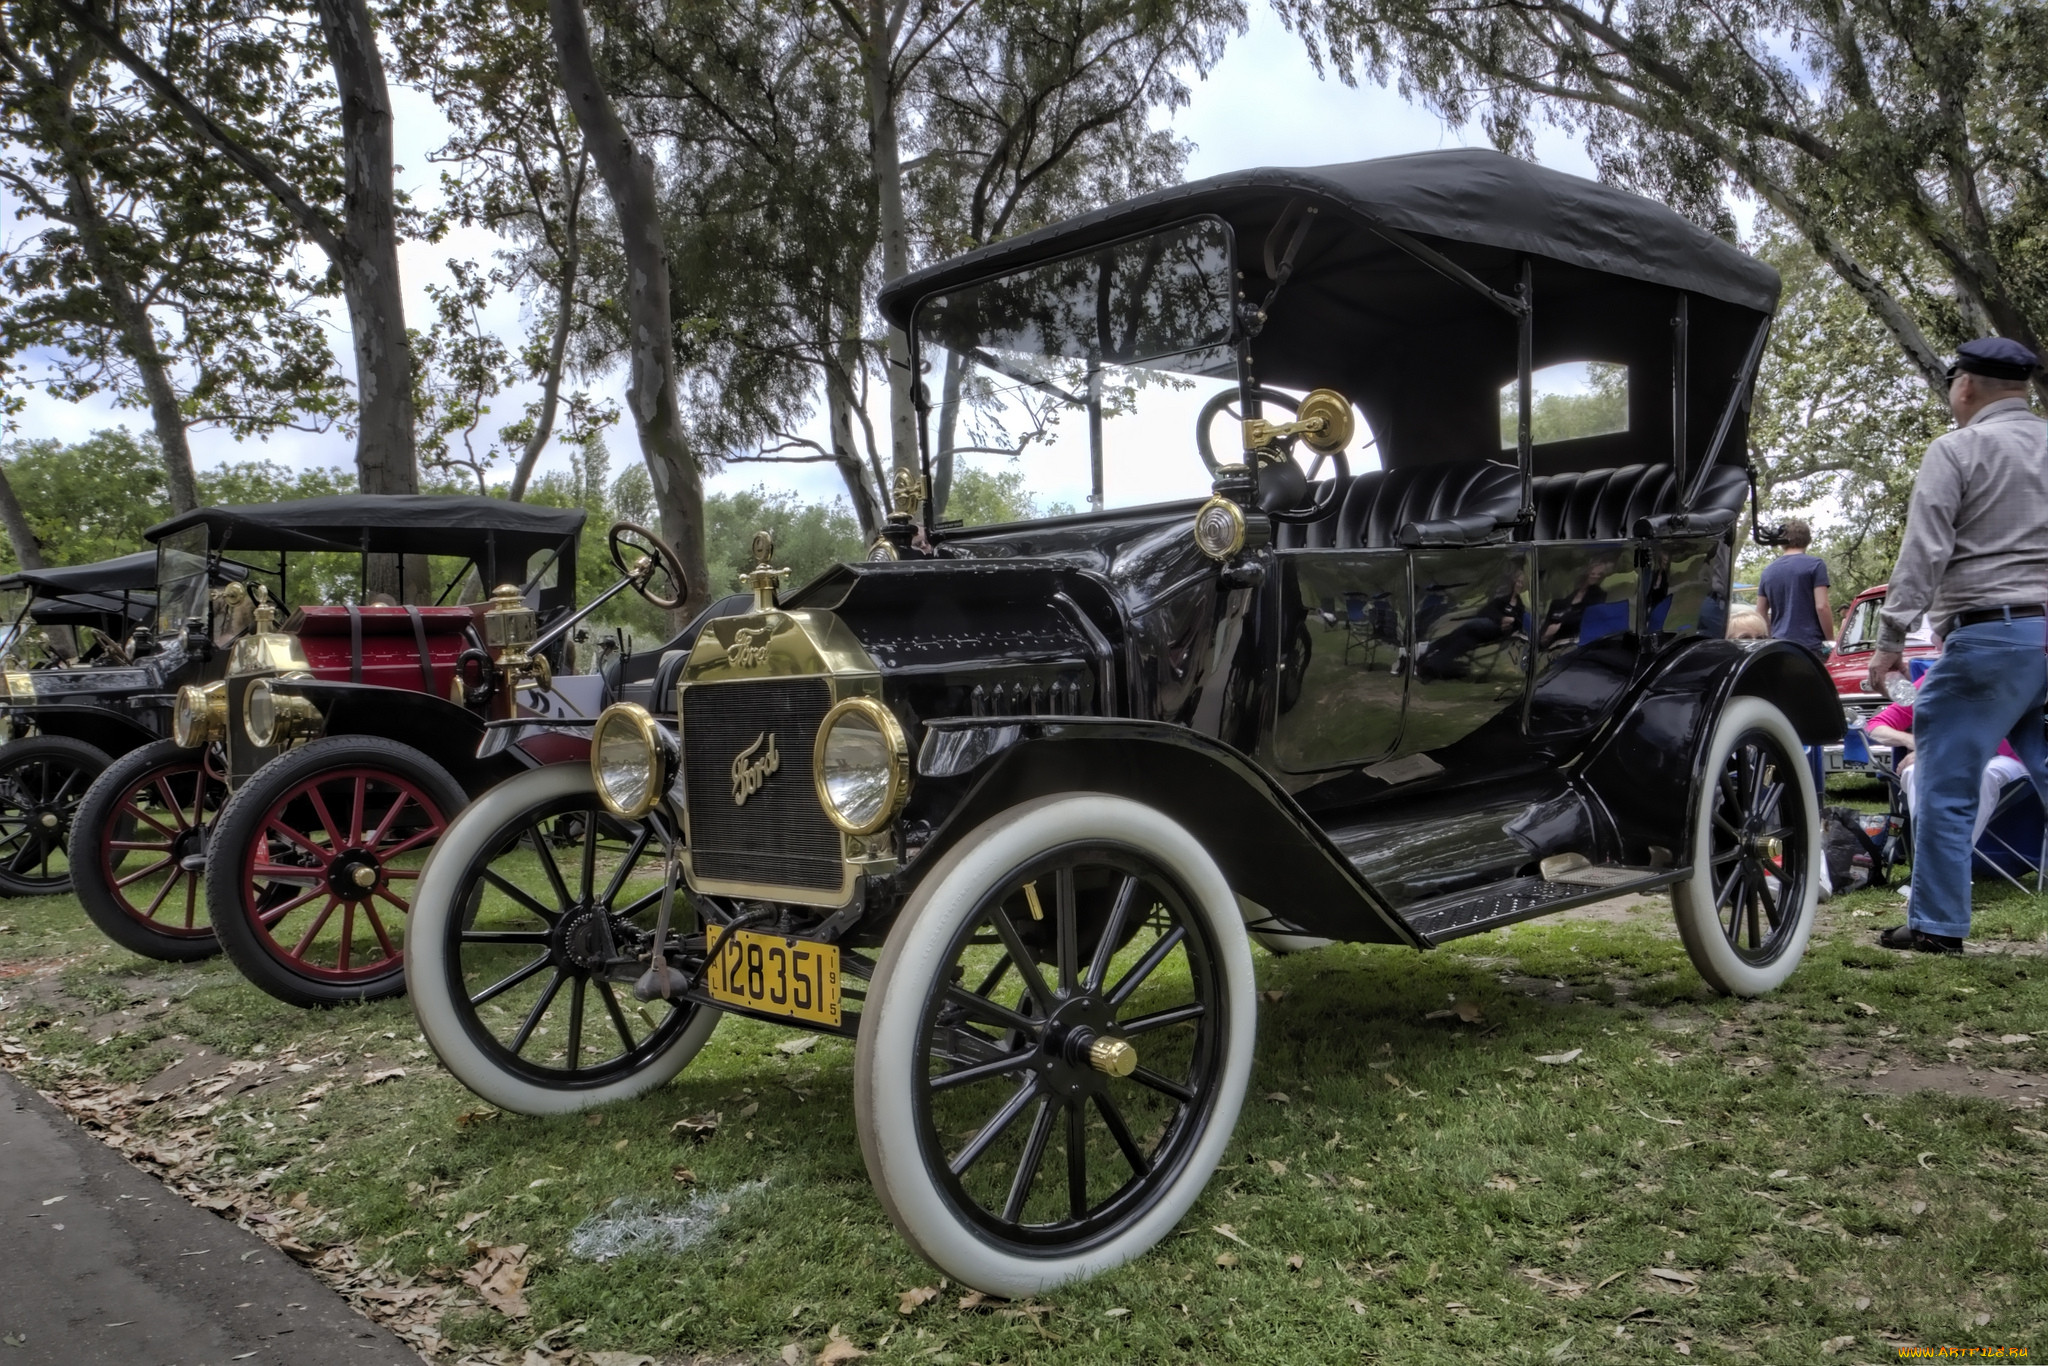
(1854, 1165)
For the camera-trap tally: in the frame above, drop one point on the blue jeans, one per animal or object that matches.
(1989, 685)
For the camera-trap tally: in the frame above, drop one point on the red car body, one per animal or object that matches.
(1851, 659)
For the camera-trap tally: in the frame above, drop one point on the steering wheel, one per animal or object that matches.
(1283, 484)
(653, 552)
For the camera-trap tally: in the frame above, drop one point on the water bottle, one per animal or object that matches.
(1900, 691)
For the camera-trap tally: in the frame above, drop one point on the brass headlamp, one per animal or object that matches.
(200, 715)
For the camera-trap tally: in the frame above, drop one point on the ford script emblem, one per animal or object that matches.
(749, 647)
(751, 767)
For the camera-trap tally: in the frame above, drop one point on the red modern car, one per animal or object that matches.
(1851, 660)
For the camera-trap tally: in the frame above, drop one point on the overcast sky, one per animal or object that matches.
(1262, 105)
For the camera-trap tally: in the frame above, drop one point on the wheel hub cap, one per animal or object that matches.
(355, 874)
(584, 939)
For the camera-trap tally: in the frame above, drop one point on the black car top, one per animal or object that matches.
(123, 574)
(1402, 285)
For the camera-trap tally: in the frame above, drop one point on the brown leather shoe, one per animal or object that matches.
(1907, 938)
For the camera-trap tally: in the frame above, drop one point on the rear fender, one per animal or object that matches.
(1648, 768)
(444, 732)
(970, 770)
(105, 729)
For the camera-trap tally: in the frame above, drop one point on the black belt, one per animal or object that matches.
(1977, 616)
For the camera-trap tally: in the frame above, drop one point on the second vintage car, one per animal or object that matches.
(1391, 612)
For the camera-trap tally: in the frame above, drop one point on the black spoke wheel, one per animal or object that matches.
(1076, 1028)
(141, 836)
(1747, 910)
(518, 941)
(43, 778)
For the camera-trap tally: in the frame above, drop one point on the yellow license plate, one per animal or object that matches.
(776, 976)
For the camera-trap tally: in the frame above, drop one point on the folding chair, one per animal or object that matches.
(2015, 843)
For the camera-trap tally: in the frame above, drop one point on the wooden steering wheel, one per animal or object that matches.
(653, 552)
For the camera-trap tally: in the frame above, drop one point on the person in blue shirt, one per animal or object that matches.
(1793, 592)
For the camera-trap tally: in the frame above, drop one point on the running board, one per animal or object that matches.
(1524, 898)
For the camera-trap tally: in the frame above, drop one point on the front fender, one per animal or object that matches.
(1648, 767)
(970, 770)
(446, 733)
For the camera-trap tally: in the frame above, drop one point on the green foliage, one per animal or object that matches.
(983, 497)
(1840, 420)
(809, 537)
(1555, 416)
(89, 500)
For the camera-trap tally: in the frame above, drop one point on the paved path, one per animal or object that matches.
(122, 1271)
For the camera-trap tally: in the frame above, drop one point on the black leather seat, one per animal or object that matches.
(1381, 502)
(1605, 505)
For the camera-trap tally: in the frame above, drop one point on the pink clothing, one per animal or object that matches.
(1899, 716)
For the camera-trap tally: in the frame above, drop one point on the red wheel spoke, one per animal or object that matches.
(348, 934)
(191, 899)
(132, 809)
(383, 939)
(355, 815)
(271, 916)
(334, 836)
(402, 907)
(319, 921)
(163, 789)
(326, 856)
(397, 805)
(412, 842)
(162, 893)
(138, 844)
(401, 872)
(137, 877)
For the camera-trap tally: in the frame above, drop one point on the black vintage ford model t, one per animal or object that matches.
(1011, 803)
(95, 655)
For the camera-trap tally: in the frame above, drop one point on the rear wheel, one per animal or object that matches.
(527, 895)
(141, 840)
(1056, 1043)
(43, 778)
(313, 865)
(1747, 911)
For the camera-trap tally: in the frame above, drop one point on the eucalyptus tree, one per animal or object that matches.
(145, 272)
(1906, 143)
(175, 52)
(514, 163)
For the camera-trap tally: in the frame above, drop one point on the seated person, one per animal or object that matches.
(1894, 726)
(1746, 623)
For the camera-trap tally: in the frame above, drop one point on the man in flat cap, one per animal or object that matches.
(1975, 559)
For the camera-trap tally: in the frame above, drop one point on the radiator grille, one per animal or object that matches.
(779, 836)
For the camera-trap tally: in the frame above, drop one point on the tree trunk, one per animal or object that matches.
(28, 551)
(651, 374)
(886, 154)
(846, 456)
(558, 347)
(949, 434)
(385, 460)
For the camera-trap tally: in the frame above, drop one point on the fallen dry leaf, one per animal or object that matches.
(1834, 1345)
(469, 1117)
(975, 1299)
(1866, 1007)
(1675, 1277)
(1227, 1231)
(1296, 1262)
(1501, 1183)
(752, 1108)
(1278, 1097)
(609, 1359)
(1226, 1260)
(2015, 1038)
(388, 1074)
(1357, 1307)
(697, 1128)
(1274, 995)
(1570, 1290)
(1918, 1207)
(1560, 1059)
(795, 1046)
(1114, 1313)
(838, 1349)
(1610, 1280)
(793, 1354)
(469, 1221)
(685, 1175)
(500, 1277)
(1278, 1168)
(910, 1301)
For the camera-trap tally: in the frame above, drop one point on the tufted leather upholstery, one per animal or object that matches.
(1595, 505)
(1605, 505)
(1381, 502)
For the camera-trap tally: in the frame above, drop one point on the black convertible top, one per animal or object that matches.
(390, 524)
(1465, 196)
(123, 574)
(1398, 286)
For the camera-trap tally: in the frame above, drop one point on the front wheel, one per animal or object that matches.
(141, 841)
(1747, 911)
(1056, 1043)
(43, 778)
(313, 865)
(506, 944)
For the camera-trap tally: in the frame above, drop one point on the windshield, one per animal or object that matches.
(180, 580)
(1075, 384)
(1859, 629)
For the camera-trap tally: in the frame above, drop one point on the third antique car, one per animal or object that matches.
(1342, 634)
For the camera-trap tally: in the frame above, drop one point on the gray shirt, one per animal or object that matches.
(1977, 532)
